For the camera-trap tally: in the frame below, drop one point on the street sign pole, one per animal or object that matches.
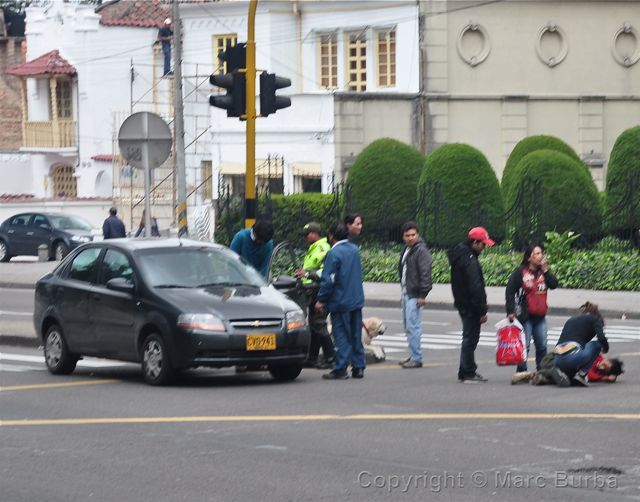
(250, 100)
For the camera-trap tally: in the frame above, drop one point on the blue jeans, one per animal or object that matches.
(535, 327)
(579, 360)
(470, 338)
(347, 334)
(412, 316)
(166, 51)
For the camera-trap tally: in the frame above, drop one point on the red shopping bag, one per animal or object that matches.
(511, 348)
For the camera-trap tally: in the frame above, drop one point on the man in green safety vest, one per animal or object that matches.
(310, 274)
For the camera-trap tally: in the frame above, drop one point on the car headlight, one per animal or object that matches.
(80, 238)
(200, 322)
(295, 319)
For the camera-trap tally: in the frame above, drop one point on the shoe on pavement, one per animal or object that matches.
(335, 375)
(411, 364)
(560, 378)
(357, 373)
(521, 377)
(539, 379)
(475, 378)
(581, 379)
(405, 361)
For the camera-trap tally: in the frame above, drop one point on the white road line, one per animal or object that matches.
(87, 363)
(20, 368)
(9, 312)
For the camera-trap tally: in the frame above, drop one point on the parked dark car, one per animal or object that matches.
(170, 304)
(23, 233)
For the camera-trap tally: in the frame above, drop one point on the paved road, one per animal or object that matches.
(102, 434)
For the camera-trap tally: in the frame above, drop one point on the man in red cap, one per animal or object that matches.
(470, 298)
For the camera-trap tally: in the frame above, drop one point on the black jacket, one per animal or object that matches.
(418, 279)
(467, 281)
(113, 228)
(582, 328)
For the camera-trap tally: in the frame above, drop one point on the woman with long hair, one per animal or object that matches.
(526, 299)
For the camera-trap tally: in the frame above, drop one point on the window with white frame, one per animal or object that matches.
(386, 41)
(356, 71)
(220, 44)
(328, 60)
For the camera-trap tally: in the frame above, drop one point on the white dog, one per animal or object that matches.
(372, 327)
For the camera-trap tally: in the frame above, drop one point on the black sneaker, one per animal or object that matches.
(357, 373)
(335, 375)
(410, 364)
(581, 379)
(559, 377)
(401, 363)
(475, 378)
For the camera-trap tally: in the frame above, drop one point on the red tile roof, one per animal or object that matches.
(51, 63)
(103, 157)
(139, 13)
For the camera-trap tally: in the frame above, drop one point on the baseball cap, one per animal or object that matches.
(311, 227)
(481, 234)
(167, 21)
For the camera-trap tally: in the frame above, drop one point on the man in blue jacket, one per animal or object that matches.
(113, 228)
(255, 245)
(341, 293)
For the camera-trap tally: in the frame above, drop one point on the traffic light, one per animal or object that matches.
(269, 102)
(233, 81)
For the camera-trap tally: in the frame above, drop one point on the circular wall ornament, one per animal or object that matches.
(552, 44)
(473, 44)
(626, 33)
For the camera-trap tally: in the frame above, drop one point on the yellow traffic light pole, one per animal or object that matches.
(250, 100)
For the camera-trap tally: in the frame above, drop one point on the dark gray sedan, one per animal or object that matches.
(170, 304)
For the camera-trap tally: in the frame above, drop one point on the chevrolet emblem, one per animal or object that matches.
(255, 324)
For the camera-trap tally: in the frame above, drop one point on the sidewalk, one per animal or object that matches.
(25, 273)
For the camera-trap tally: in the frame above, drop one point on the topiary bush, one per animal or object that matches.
(459, 190)
(382, 184)
(622, 203)
(557, 194)
(531, 144)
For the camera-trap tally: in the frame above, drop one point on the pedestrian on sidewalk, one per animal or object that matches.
(469, 297)
(310, 274)
(113, 228)
(255, 245)
(576, 351)
(414, 269)
(526, 299)
(342, 294)
(354, 222)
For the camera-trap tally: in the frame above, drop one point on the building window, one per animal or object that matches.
(63, 98)
(328, 45)
(64, 182)
(311, 184)
(386, 58)
(220, 44)
(356, 61)
(207, 184)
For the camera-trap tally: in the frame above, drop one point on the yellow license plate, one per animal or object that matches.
(261, 342)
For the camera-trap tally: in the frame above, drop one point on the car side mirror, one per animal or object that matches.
(284, 282)
(120, 284)
(45, 226)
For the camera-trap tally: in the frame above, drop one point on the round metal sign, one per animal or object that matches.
(145, 140)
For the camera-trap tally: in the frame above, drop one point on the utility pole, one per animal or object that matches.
(181, 173)
(250, 99)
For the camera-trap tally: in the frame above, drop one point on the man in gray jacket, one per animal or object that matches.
(415, 278)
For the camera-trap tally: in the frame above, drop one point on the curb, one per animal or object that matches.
(20, 341)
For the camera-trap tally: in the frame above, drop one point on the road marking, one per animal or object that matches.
(56, 385)
(10, 312)
(321, 418)
(19, 368)
(87, 363)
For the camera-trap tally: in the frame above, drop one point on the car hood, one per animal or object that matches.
(241, 302)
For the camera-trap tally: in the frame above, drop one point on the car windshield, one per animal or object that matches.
(68, 222)
(187, 267)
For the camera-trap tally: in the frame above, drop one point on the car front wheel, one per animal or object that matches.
(60, 251)
(156, 367)
(57, 357)
(285, 373)
(4, 251)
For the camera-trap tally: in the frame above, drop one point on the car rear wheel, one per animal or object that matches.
(285, 373)
(57, 357)
(4, 251)
(60, 250)
(156, 367)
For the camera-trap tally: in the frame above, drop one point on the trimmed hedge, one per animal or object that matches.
(460, 190)
(568, 198)
(622, 208)
(382, 184)
(532, 144)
